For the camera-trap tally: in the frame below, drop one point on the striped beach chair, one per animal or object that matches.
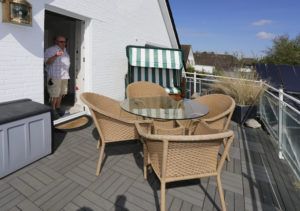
(157, 65)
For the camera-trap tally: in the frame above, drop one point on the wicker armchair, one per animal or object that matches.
(221, 108)
(112, 123)
(142, 89)
(183, 157)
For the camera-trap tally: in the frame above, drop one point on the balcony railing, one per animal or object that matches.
(279, 111)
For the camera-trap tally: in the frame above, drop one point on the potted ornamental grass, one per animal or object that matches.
(245, 90)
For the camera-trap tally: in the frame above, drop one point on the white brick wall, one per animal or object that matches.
(113, 25)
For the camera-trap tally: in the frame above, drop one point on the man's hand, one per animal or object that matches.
(59, 53)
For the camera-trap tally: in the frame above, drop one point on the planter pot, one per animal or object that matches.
(243, 112)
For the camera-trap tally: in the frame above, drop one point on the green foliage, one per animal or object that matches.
(283, 51)
(219, 72)
(190, 69)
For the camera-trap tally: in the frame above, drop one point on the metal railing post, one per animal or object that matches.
(200, 86)
(195, 82)
(280, 123)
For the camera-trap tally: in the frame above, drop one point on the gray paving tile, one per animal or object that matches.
(186, 206)
(53, 192)
(66, 179)
(101, 180)
(257, 172)
(46, 189)
(209, 198)
(6, 191)
(31, 181)
(49, 172)
(63, 198)
(176, 204)
(78, 179)
(11, 200)
(15, 209)
(193, 197)
(140, 202)
(44, 178)
(71, 207)
(257, 205)
(121, 189)
(105, 185)
(27, 205)
(86, 204)
(96, 199)
(22, 187)
(229, 200)
(239, 202)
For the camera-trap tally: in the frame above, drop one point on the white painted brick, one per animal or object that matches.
(113, 25)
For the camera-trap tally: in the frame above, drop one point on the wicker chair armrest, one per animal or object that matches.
(212, 134)
(205, 137)
(217, 117)
(144, 127)
(170, 131)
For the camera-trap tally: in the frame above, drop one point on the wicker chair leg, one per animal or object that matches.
(146, 161)
(101, 155)
(162, 196)
(98, 144)
(227, 157)
(221, 193)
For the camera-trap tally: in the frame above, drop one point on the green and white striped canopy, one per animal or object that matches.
(154, 57)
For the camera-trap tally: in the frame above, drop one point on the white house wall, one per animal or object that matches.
(110, 26)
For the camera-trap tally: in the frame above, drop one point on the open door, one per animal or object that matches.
(73, 30)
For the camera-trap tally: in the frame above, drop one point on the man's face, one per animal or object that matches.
(61, 42)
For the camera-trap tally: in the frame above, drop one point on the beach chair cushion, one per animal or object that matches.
(167, 78)
(157, 65)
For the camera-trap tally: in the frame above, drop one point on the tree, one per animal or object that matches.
(283, 51)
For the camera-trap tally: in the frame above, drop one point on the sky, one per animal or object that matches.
(241, 27)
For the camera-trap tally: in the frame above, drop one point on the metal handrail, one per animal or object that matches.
(280, 97)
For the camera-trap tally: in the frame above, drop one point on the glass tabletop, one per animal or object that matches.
(164, 108)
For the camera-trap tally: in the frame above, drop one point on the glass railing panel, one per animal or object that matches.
(269, 108)
(291, 138)
(203, 86)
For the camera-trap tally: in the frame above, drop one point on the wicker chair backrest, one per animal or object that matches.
(186, 156)
(220, 107)
(145, 89)
(109, 118)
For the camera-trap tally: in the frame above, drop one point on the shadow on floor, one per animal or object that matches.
(58, 137)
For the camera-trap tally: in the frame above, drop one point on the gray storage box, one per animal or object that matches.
(25, 134)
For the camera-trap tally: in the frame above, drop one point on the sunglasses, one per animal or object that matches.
(61, 41)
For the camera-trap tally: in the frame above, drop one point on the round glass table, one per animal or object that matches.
(164, 108)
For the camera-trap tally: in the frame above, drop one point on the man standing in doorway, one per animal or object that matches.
(57, 62)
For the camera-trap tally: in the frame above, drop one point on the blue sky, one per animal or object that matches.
(235, 26)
